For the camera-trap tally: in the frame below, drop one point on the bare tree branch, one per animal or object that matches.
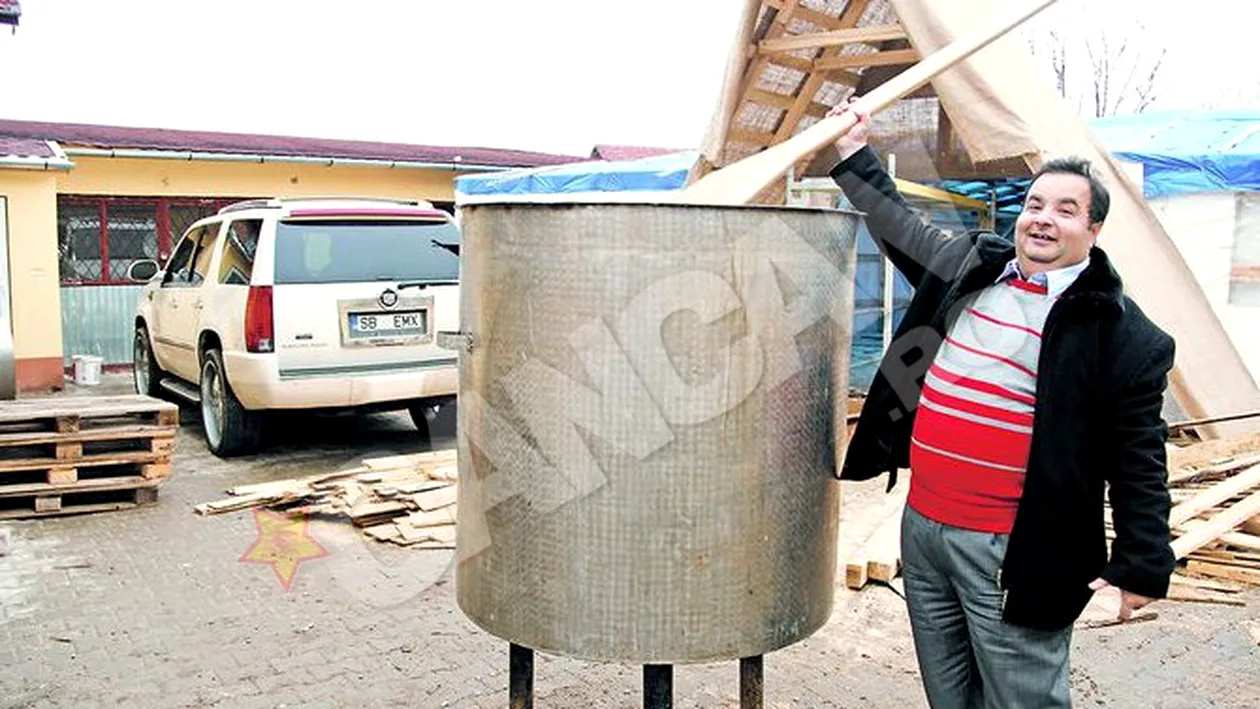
(1105, 68)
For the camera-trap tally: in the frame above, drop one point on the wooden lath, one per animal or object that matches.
(852, 14)
(814, 17)
(888, 57)
(834, 38)
(780, 81)
(784, 102)
(814, 80)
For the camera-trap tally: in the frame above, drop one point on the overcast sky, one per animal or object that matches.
(550, 75)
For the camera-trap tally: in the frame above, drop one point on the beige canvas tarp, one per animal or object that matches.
(1000, 107)
(999, 90)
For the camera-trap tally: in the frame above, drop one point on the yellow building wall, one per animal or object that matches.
(177, 178)
(31, 198)
(32, 222)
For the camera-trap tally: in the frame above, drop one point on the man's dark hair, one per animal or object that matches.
(1099, 197)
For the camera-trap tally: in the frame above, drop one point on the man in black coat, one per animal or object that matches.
(1021, 386)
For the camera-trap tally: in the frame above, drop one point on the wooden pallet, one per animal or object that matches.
(80, 414)
(97, 495)
(70, 455)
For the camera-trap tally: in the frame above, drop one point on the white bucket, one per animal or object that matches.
(87, 369)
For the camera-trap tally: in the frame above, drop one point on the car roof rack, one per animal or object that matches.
(250, 204)
(278, 202)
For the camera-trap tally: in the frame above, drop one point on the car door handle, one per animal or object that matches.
(198, 305)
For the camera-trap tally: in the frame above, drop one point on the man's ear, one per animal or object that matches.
(1095, 228)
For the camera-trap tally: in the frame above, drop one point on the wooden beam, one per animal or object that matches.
(769, 98)
(891, 57)
(751, 137)
(783, 102)
(1219, 524)
(1222, 571)
(813, 17)
(814, 80)
(833, 38)
(914, 189)
(1214, 495)
(778, 28)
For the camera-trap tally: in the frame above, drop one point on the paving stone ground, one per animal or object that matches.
(153, 607)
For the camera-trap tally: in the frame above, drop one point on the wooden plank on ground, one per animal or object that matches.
(414, 535)
(855, 574)
(1222, 571)
(1251, 526)
(436, 499)
(1219, 524)
(433, 518)
(1198, 595)
(1206, 584)
(1215, 495)
(386, 532)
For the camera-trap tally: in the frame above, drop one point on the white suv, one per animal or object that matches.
(302, 304)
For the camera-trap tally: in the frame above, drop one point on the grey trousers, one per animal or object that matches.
(968, 656)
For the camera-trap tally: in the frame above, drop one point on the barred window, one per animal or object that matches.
(100, 237)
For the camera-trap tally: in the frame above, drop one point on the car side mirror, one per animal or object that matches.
(143, 270)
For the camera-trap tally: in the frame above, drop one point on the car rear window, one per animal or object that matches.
(348, 251)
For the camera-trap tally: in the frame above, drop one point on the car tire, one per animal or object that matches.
(146, 375)
(230, 428)
(435, 419)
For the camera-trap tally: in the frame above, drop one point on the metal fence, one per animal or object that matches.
(98, 320)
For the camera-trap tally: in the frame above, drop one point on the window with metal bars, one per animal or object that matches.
(100, 237)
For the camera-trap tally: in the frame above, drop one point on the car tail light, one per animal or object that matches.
(259, 332)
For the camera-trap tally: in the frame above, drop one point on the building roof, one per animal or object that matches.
(10, 11)
(629, 152)
(25, 147)
(119, 137)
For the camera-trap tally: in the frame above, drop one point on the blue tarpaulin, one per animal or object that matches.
(662, 172)
(1188, 151)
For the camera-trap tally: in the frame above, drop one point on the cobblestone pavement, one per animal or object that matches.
(152, 607)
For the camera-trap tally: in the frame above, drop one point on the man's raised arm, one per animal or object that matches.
(908, 242)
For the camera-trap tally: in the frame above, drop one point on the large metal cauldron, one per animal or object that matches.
(646, 447)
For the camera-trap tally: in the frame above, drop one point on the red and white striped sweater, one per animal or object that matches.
(971, 437)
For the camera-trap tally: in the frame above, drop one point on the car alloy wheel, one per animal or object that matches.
(141, 361)
(212, 402)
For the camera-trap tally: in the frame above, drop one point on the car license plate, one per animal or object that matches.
(405, 323)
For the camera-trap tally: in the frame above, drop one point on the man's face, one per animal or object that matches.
(1054, 230)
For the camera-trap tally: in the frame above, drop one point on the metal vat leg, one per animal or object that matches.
(520, 677)
(750, 683)
(658, 686)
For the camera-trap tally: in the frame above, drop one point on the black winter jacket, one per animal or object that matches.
(1097, 423)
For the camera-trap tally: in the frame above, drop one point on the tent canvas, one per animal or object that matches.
(1007, 119)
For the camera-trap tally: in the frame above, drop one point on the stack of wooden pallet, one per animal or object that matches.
(408, 500)
(72, 455)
